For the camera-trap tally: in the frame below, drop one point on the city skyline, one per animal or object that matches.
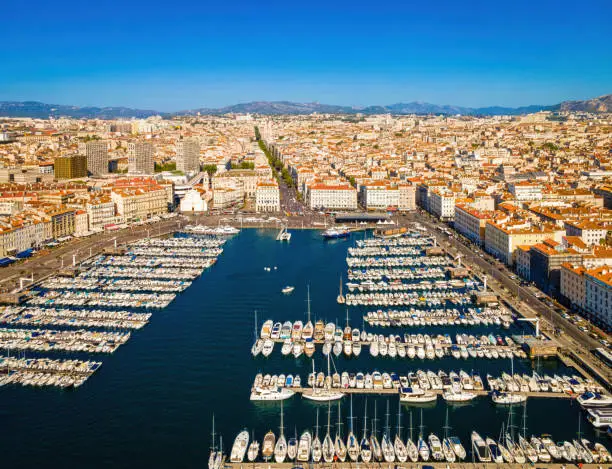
(213, 56)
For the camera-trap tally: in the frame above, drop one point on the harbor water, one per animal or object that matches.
(150, 405)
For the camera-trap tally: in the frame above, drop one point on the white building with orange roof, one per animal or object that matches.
(267, 197)
(332, 196)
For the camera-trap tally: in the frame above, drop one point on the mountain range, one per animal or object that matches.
(35, 109)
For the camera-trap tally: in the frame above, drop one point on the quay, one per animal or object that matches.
(440, 392)
(385, 465)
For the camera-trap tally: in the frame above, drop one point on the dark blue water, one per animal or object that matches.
(151, 403)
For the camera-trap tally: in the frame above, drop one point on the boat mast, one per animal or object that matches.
(525, 419)
(399, 421)
(212, 446)
(255, 330)
(351, 417)
(411, 427)
(387, 421)
(421, 426)
(446, 427)
(365, 419)
(308, 300)
(374, 420)
(339, 432)
(328, 416)
(281, 422)
(317, 426)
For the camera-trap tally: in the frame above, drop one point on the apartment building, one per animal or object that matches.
(96, 153)
(525, 191)
(442, 204)
(334, 197)
(471, 222)
(502, 239)
(227, 197)
(572, 286)
(244, 180)
(140, 158)
(407, 197)
(267, 197)
(70, 167)
(591, 232)
(188, 155)
(598, 291)
(545, 260)
(379, 195)
(139, 203)
(101, 211)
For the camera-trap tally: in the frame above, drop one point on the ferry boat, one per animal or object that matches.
(336, 233)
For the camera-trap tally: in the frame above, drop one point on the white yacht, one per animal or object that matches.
(303, 450)
(240, 446)
(480, 448)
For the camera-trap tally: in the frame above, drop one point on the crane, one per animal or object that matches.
(537, 324)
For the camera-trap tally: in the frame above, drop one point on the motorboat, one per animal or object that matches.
(304, 447)
(269, 442)
(480, 448)
(240, 447)
(288, 289)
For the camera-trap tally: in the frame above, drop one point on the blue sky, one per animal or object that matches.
(195, 53)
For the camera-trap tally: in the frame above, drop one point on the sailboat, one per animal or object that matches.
(341, 300)
(213, 453)
(508, 397)
(328, 444)
(253, 450)
(411, 448)
(528, 450)
(375, 445)
(506, 455)
(259, 343)
(447, 446)
(339, 445)
(325, 393)
(401, 453)
(515, 450)
(364, 446)
(352, 445)
(317, 450)
(280, 450)
(292, 447)
(308, 331)
(387, 446)
(422, 445)
(347, 344)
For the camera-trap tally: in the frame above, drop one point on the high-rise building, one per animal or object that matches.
(96, 153)
(70, 167)
(188, 155)
(140, 158)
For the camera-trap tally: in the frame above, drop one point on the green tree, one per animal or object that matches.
(210, 169)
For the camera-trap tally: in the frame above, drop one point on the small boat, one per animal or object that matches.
(336, 233)
(304, 447)
(496, 454)
(292, 448)
(288, 289)
(480, 448)
(253, 451)
(269, 442)
(240, 447)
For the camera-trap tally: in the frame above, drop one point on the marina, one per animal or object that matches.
(391, 273)
(109, 291)
(206, 334)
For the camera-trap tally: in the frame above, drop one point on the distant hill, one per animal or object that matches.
(600, 104)
(36, 109)
(44, 111)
